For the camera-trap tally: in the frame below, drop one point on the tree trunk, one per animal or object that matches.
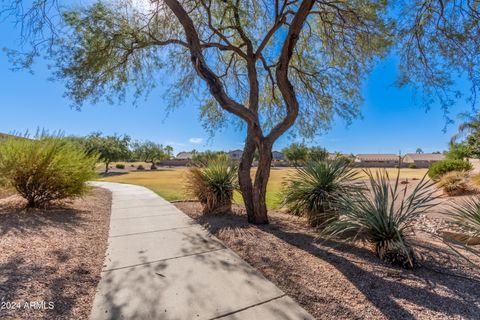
(260, 215)
(153, 166)
(244, 178)
(106, 167)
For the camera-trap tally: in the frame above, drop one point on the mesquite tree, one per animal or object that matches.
(149, 152)
(275, 65)
(268, 63)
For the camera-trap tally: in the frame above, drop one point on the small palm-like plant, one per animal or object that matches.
(314, 190)
(383, 216)
(213, 184)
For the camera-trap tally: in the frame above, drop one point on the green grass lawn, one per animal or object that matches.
(168, 183)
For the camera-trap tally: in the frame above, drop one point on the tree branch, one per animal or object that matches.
(284, 84)
(213, 82)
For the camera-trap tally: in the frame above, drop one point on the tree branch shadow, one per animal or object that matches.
(383, 285)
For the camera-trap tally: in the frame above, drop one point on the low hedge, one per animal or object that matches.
(442, 167)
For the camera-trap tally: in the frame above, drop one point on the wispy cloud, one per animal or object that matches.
(196, 140)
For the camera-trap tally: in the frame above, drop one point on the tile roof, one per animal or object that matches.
(424, 156)
(184, 155)
(377, 157)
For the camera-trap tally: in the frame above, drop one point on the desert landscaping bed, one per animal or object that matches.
(339, 281)
(52, 258)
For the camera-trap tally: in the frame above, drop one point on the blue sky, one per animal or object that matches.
(391, 121)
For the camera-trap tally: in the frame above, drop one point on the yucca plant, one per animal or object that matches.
(383, 216)
(213, 184)
(314, 190)
(467, 215)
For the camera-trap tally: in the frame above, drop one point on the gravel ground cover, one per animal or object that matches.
(50, 260)
(339, 281)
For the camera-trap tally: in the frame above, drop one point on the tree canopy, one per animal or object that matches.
(296, 153)
(150, 152)
(466, 143)
(108, 148)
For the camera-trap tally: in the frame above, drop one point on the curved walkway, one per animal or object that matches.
(160, 264)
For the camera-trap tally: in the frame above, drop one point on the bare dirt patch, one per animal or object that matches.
(339, 281)
(52, 258)
(5, 193)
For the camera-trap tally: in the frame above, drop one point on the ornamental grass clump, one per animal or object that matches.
(383, 215)
(315, 189)
(213, 184)
(45, 169)
(455, 183)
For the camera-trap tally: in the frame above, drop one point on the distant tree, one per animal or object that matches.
(317, 154)
(169, 151)
(109, 148)
(469, 135)
(419, 150)
(149, 152)
(296, 153)
(458, 151)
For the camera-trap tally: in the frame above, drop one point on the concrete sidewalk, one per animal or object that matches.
(160, 264)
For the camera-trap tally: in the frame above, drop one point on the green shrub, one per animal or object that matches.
(120, 166)
(455, 183)
(213, 185)
(441, 167)
(140, 167)
(383, 217)
(412, 166)
(313, 191)
(45, 169)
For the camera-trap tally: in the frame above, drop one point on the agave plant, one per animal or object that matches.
(213, 184)
(383, 216)
(314, 190)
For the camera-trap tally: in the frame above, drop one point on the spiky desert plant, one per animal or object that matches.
(314, 190)
(213, 184)
(466, 215)
(383, 216)
(455, 183)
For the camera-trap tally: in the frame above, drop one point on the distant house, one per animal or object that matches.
(184, 156)
(422, 160)
(5, 136)
(278, 156)
(377, 160)
(235, 154)
(333, 156)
